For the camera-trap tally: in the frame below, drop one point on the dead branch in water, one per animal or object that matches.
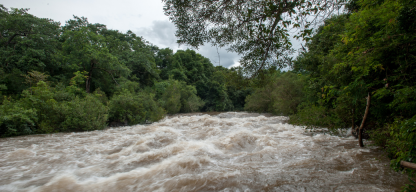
(408, 165)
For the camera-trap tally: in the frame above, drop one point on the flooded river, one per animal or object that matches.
(199, 152)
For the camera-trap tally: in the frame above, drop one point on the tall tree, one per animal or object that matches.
(132, 50)
(85, 49)
(255, 29)
(27, 43)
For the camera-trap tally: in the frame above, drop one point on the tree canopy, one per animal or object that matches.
(256, 29)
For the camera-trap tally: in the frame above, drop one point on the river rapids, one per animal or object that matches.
(195, 152)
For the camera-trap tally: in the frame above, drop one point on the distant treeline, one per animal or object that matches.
(83, 76)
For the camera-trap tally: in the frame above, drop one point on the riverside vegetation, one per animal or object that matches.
(83, 76)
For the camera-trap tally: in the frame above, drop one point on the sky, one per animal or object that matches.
(144, 17)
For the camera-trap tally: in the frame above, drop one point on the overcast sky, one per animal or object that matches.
(143, 17)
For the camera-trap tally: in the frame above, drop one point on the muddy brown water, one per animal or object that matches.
(195, 152)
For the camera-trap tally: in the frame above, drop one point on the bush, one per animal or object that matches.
(83, 114)
(281, 96)
(44, 109)
(189, 101)
(41, 99)
(399, 141)
(153, 111)
(171, 98)
(132, 108)
(192, 103)
(175, 96)
(314, 116)
(15, 119)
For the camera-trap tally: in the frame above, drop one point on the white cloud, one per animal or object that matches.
(122, 15)
(162, 34)
(144, 17)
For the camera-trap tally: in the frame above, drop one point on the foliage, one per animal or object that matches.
(280, 96)
(315, 116)
(81, 76)
(133, 108)
(175, 96)
(369, 50)
(189, 99)
(85, 49)
(45, 109)
(170, 96)
(83, 114)
(33, 77)
(399, 140)
(27, 42)
(74, 115)
(41, 99)
(15, 119)
(2, 86)
(257, 30)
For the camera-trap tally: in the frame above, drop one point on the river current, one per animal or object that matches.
(195, 152)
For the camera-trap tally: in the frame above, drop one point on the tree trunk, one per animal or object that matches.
(360, 137)
(360, 131)
(353, 122)
(88, 82)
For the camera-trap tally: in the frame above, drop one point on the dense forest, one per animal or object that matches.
(357, 69)
(83, 76)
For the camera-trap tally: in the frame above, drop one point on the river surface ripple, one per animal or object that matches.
(195, 152)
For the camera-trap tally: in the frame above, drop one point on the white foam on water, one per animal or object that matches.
(224, 152)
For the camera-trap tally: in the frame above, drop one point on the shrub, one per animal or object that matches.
(192, 103)
(153, 111)
(133, 108)
(171, 98)
(189, 101)
(40, 98)
(399, 141)
(83, 114)
(15, 119)
(68, 113)
(314, 116)
(402, 142)
(281, 96)
(175, 96)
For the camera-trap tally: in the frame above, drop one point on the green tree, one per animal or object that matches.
(163, 60)
(281, 96)
(368, 52)
(84, 48)
(175, 96)
(133, 52)
(257, 30)
(27, 43)
(16, 119)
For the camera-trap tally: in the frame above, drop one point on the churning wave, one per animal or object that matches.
(195, 152)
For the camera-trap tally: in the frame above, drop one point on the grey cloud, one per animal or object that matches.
(144, 17)
(162, 34)
(225, 58)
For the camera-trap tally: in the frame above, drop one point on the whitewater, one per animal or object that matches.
(232, 151)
